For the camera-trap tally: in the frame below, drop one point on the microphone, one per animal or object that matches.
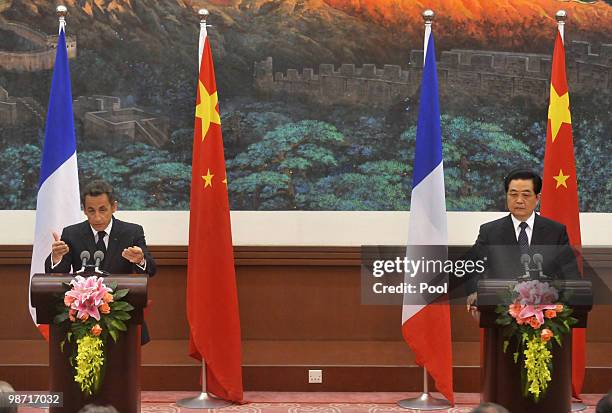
(85, 256)
(538, 259)
(98, 257)
(525, 260)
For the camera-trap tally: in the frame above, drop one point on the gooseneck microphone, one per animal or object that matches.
(85, 256)
(538, 259)
(98, 257)
(525, 260)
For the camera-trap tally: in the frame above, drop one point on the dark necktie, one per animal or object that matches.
(523, 240)
(100, 246)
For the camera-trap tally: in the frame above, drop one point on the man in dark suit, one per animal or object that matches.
(123, 244)
(504, 240)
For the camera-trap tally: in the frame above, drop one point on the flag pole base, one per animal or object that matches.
(424, 402)
(203, 401)
(578, 407)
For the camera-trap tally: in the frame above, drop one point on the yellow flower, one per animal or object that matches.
(89, 361)
(537, 359)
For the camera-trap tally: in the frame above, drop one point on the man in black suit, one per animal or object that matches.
(123, 244)
(504, 240)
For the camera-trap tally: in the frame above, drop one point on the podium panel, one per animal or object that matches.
(501, 376)
(121, 381)
(121, 372)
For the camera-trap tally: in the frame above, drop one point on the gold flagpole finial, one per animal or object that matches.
(428, 16)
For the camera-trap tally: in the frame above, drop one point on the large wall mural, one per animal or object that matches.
(319, 98)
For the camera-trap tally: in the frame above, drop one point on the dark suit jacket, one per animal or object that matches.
(497, 242)
(79, 237)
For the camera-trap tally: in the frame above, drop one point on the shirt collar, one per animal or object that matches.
(107, 229)
(529, 221)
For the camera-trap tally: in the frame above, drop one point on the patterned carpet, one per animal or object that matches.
(289, 402)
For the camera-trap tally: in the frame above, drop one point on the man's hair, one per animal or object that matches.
(524, 174)
(4, 406)
(92, 408)
(605, 404)
(97, 188)
(490, 408)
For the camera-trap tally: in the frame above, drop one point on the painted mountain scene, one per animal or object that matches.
(318, 98)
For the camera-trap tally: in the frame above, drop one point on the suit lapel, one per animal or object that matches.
(88, 237)
(508, 232)
(113, 244)
(538, 232)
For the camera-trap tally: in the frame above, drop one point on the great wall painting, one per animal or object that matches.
(319, 98)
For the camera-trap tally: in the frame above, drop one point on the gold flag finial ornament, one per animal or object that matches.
(428, 15)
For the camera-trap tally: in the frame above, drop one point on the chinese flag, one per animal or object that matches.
(212, 301)
(560, 186)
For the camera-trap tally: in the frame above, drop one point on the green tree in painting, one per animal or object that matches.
(99, 165)
(162, 186)
(378, 185)
(277, 172)
(476, 157)
(20, 166)
(593, 149)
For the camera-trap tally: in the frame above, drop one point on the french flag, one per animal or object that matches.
(58, 200)
(427, 328)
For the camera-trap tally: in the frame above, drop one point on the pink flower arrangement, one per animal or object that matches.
(86, 296)
(536, 292)
(535, 301)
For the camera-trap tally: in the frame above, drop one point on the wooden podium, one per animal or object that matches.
(501, 377)
(121, 382)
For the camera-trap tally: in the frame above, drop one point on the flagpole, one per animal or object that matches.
(561, 17)
(425, 401)
(203, 400)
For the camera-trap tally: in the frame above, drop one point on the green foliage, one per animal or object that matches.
(100, 165)
(20, 168)
(168, 185)
(593, 149)
(277, 172)
(477, 155)
(380, 185)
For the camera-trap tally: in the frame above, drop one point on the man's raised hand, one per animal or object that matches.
(58, 249)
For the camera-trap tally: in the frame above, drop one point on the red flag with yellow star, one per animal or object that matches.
(212, 301)
(560, 186)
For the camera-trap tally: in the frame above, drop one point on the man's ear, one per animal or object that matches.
(114, 207)
(538, 196)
